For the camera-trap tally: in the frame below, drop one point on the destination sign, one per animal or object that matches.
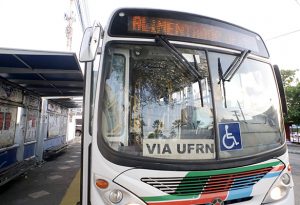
(180, 26)
(179, 148)
(189, 29)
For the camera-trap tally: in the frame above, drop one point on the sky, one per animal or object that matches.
(40, 24)
(36, 24)
(268, 18)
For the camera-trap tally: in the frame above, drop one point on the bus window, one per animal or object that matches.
(113, 117)
(166, 104)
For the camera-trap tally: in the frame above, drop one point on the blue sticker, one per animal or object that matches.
(230, 136)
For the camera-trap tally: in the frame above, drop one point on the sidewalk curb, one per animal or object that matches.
(294, 152)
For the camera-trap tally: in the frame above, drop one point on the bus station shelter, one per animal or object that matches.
(42, 72)
(37, 90)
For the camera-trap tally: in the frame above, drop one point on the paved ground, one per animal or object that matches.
(294, 147)
(46, 184)
(295, 162)
(294, 153)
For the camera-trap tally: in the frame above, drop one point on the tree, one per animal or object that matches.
(292, 93)
(177, 124)
(293, 103)
(288, 77)
(157, 125)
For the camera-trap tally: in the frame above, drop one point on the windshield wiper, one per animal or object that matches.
(235, 65)
(186, 64)
(171, 48)
(199, 81)
(229, 73)
(222, 81)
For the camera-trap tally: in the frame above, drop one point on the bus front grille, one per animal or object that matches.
(195, 185)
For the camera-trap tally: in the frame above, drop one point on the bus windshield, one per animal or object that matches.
(250, 101)
(154, 107)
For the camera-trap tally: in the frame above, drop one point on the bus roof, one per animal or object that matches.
(147, 23)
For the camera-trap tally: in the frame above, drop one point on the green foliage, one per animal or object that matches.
(288, 77)
(292, 93)
(157, 125)
(152, 136)
(293, 102)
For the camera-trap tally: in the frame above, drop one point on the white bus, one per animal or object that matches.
(181, 109)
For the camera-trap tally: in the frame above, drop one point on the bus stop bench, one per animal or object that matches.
(55, 150)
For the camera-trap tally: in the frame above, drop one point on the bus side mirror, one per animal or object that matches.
(281, 90)
(90, 42)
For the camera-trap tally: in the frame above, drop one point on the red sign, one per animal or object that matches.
(1, 120)
(7, 121)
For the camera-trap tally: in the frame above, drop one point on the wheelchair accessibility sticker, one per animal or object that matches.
(230, 136)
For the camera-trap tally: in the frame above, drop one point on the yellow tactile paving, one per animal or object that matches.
(72, 195)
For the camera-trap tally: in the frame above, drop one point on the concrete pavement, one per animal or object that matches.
(293, 148)
(46, 184)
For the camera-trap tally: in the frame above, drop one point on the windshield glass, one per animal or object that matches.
(247, 107)
(154, 107)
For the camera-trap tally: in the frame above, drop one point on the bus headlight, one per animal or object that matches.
(279, 189)
(113, 194)
(286, 179)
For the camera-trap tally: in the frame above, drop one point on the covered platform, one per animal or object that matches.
(37, 95)
(42, 72)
